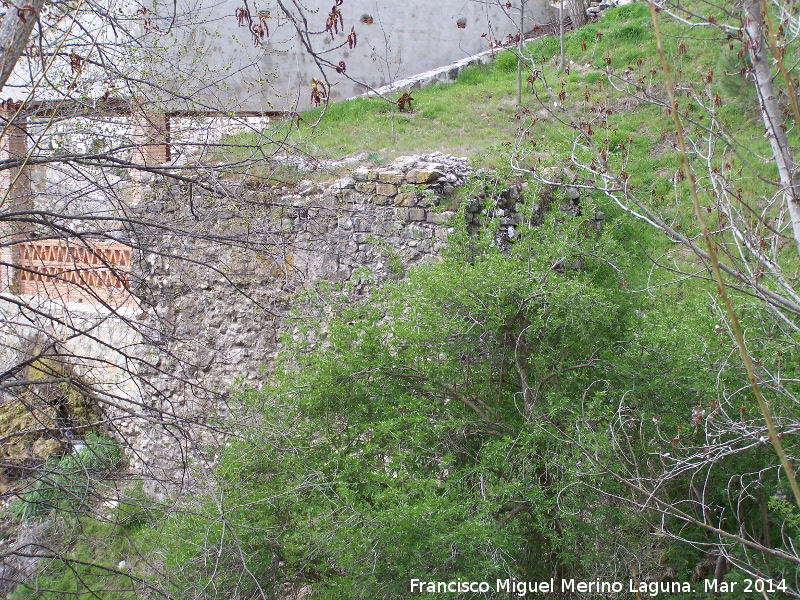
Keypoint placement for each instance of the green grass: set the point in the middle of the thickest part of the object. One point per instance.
(477, 115)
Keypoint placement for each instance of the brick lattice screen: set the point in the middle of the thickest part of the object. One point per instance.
(75, 271)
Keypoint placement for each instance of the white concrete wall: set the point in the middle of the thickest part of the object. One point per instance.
(405, 38)
(193, 55)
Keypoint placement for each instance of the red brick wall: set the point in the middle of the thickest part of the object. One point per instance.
(152, 140)
(74, 271)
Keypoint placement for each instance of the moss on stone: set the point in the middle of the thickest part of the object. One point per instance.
(33, 421)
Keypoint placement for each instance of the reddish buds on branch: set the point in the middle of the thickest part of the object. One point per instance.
(319, 92)
(404, 102)
(242, 16)
(335, 19)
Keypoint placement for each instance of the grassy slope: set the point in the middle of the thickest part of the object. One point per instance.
(475, 116)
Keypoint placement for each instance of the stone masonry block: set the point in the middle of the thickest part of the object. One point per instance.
(361, 174)
(390, 177)
(353, 196)
(440, 218)
(406, 199)
(422, 176)
(416, 214)
(385, 189)
(361, 224)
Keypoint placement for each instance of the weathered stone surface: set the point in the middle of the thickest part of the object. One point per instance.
(406, 199)
(344, 183)
(513, 218)
(440, 218)
(360, 224)
(220, 335)
(423, 176)
(570, 209)
(42, 409)
(599, 220)
(390, 177)
(573, 193)
(428, 199)
(361, 174)
(385, 189)
(352, 196)
(416, 214)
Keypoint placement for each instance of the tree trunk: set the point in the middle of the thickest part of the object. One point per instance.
(15, 30)
(771, 114)
(577, 13)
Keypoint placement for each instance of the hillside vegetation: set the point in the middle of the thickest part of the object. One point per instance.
(567, 405)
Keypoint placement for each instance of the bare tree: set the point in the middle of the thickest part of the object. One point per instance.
(747, 250)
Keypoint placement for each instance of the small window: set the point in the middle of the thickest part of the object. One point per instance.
(462, 23)
(366, 19)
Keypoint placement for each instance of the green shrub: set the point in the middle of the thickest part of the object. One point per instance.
(473, 75)
(636, 10)
(632, 32)
(593, 77)
(506, 62)
(66, 483)
(547, 46)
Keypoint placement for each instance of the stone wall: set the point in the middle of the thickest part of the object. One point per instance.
(221, 280)
(81, 346)
(217, 319)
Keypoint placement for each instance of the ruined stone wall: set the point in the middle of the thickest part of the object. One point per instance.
(220, 280)
(218, 305)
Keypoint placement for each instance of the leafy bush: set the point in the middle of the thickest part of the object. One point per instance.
(415, 448)
(473, 75)
(631, 33)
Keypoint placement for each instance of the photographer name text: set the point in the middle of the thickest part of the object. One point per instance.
(597, 586)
